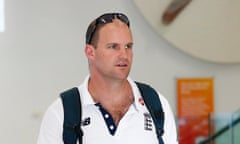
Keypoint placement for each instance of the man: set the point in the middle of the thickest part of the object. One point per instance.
(110, 99)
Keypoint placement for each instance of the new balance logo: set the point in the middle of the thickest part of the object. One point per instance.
(86, 121)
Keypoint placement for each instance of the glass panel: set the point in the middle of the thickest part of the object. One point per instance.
(236, 127)
(222, 131)
(224, 128)
(214, 129)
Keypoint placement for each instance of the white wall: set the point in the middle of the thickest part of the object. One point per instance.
(41, 54)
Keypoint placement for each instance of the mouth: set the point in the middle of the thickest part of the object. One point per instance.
(121, 65)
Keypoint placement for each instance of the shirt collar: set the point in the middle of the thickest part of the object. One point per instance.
(86, 98)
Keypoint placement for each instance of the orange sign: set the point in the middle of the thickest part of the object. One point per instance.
(195, 96)
(195, 103)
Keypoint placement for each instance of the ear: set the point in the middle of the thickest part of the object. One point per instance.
(89, 51)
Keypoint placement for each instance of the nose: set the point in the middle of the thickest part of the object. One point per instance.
(124, 52)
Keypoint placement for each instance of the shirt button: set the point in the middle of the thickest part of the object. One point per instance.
(111, 127)
(106, 115)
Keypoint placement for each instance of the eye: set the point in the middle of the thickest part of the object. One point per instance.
(113, 46)
(129, 46)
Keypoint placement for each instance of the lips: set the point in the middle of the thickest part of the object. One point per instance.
(121, 64)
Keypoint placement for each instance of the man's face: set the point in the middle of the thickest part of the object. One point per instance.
(112, 56)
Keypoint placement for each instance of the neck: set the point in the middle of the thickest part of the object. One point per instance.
(115, 97)
(100, 88)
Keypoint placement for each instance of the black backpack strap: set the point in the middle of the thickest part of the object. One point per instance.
(72, 116)
(153, 103)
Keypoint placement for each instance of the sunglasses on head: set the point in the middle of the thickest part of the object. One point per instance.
(102, 20)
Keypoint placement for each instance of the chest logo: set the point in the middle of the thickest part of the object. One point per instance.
(148, 122)
(141, 101)
(86, 121)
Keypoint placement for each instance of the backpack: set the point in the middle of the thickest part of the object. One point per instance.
(72, 113)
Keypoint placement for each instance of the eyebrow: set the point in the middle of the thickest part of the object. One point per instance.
(130, 43)
(116, 43)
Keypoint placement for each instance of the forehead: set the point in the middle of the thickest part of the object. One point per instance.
(115, 31)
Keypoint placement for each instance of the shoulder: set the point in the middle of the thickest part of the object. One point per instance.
(55, 111)
(51, 126)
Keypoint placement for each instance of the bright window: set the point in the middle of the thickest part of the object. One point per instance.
(2, 16)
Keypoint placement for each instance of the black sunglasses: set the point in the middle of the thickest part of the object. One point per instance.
(102, 20)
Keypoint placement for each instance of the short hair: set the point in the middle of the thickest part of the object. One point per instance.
(92, 33)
